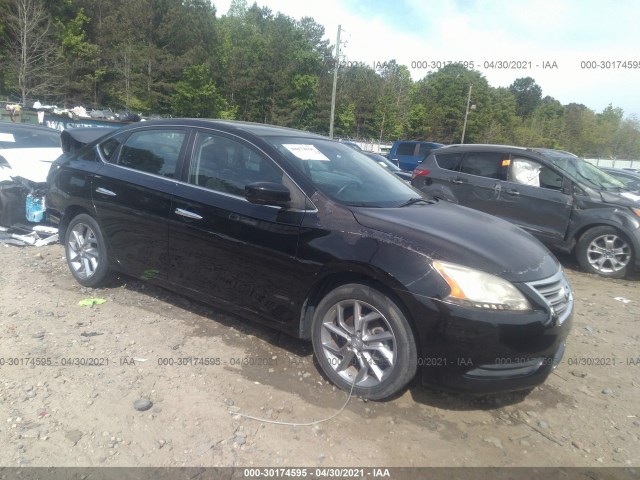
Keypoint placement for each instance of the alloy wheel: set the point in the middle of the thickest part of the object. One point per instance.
(358, 343)
(83, 251)
(608, 253)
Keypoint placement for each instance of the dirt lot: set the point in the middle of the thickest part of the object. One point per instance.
(71, 414)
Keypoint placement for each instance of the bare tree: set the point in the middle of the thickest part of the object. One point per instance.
(32, 52)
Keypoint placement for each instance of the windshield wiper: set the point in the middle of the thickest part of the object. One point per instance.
(413, 201)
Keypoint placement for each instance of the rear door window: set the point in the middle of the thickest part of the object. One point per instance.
(153, 151)
(449, 161)
(486, 164)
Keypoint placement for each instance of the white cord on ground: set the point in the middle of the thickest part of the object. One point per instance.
(294, 424)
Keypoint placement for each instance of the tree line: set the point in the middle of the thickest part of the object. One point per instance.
(181, 58)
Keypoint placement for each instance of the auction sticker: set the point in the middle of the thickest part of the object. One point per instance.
(306, 152)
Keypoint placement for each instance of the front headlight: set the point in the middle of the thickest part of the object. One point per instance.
(476, 289)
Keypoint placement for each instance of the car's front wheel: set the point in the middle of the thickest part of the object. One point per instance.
(605, 251)
(363, 341)
(86, 251)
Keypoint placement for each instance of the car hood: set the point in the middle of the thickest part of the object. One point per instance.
(624, 198)
(464, 236)
(30, 163)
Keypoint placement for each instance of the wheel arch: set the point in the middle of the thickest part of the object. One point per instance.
(333, 280)
(580, 231)
(69, 214)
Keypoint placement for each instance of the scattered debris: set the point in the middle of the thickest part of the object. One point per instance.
(90, 302)
(23, 236)
(142, 404)
(622, 299)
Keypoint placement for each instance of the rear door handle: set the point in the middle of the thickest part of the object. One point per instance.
(104, 191)
(457, 180)
(188, 214)
(513, 191)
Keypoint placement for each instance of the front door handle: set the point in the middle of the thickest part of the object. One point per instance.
(188, 214)
(457, 180)
(513, 191)
(104, 191)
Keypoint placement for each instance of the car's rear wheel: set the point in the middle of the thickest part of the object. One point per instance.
(362, 340)
(86, 251)
(605, 251)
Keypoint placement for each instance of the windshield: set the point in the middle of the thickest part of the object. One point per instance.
(580, 169)
(382, 161)
(344, 174)
(28, 138)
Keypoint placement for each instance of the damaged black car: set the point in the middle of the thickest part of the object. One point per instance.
(311, 237)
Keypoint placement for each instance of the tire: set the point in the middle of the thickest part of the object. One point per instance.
(380, 366)
(86, 251)
(605, 251)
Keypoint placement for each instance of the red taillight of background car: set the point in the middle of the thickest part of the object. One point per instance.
(420, 172)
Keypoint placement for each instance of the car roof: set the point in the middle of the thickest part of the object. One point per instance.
(544, 152)
(257, 129)
(428, 142)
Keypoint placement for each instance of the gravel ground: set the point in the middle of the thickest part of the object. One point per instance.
(116, 384)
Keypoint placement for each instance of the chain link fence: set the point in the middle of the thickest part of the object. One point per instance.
(614, 163)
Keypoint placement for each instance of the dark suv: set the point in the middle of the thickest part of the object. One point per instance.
(561, 199)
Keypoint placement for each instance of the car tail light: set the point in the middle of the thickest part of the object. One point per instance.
(420, 172)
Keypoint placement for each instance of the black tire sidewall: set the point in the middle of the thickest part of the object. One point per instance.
(588, 237)
(102, 272)
(406, 351)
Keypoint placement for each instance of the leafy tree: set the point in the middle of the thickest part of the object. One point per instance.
(197, 96)
(503, 120)
(393, 101)
(527, 93)
(360, 85)
(444, 95)
(178, 57)
(80, 69)
(345, 119)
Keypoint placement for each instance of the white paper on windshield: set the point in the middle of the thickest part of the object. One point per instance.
(7, 137)
(305, 152)
(631, 196)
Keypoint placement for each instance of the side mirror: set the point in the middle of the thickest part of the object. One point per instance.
(267, 193)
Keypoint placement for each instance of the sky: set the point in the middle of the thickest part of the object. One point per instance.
(587, 46)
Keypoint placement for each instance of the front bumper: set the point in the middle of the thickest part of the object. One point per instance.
(486, 351)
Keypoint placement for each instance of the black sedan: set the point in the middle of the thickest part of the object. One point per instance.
(309, 236)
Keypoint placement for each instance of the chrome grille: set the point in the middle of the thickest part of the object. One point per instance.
(556, 293)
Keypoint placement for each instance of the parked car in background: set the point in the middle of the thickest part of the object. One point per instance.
(406, 154)
(26, 154)
(353, 145)
(630, 177)
(311, 237)
(382, 161)
(392, 167)
(561, 199)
